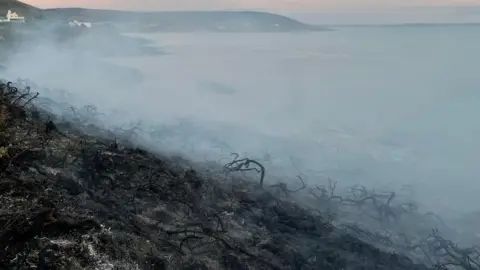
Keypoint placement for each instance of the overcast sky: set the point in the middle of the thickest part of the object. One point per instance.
(313, 11)
(273, 5)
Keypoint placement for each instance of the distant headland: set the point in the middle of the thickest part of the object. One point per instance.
(166, 21)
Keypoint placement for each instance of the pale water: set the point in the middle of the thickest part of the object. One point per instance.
(380, 106)
(400, 104)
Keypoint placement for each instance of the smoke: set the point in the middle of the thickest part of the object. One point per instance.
(195, 92)
(84, 67)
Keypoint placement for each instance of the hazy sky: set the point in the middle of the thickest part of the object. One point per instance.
(310, 11)
(272, 5)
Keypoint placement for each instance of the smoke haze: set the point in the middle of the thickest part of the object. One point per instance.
(382, 107)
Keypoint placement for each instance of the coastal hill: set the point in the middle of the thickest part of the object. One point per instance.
(175, 21)
(20, 7)
(15, 6)
(186, 21)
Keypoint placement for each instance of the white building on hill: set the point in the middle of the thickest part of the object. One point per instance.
(12, 17)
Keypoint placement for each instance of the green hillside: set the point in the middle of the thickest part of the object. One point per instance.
(17, 6)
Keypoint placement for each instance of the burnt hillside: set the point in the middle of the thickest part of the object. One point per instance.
(76, 196)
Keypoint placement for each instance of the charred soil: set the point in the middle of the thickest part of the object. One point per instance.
(72, 196)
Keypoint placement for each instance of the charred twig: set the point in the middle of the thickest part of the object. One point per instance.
(452, 255)
(327, 194)
(30, 100)
(243, 165)
(383, 208)
(284, 187)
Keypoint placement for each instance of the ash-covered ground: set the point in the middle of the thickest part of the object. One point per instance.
(75, 194)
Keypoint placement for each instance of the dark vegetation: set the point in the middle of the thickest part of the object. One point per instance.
(74, 195)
